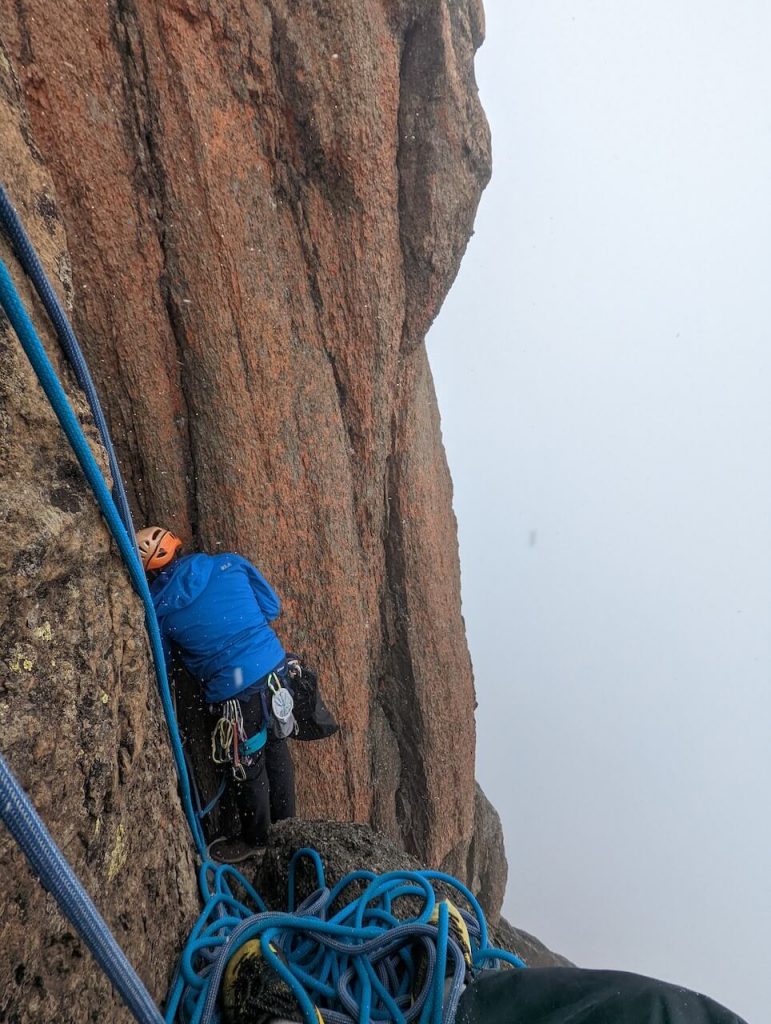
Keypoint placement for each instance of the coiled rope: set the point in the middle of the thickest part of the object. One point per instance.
(343, 962)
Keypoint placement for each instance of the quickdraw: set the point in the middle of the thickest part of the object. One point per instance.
(228, 735)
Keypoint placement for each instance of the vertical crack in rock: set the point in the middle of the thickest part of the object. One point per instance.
(139, 101)
(396, 695)
(304, 151)
(25, 50)
(299, 152)
(345, 414)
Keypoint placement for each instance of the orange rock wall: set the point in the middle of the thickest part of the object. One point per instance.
(264, 203)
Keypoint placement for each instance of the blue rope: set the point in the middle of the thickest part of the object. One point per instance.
(202, 812)
(11, 303)
(34, 270)
(356, 963)
(55, 874)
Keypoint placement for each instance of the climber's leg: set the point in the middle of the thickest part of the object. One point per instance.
(280, 777)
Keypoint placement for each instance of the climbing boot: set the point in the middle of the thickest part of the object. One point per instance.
(252, 992)
(233, 850)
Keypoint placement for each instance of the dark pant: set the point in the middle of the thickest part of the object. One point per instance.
(567, 995)
(267, 793)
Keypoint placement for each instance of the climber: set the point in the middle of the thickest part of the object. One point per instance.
(214, 611)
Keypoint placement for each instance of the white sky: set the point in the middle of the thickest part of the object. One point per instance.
(603, 365)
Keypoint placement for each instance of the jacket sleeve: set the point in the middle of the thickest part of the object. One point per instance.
(266, 596)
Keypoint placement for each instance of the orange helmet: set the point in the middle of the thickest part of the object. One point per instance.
(157, 547)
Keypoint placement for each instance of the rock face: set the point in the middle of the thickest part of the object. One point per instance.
(265, 204)
(487, 868)
(254, 211)
(80, 722)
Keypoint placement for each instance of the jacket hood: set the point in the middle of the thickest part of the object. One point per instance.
(180, 584)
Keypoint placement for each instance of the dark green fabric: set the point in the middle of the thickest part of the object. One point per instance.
(570, 995)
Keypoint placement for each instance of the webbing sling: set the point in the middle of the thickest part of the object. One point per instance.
(254, 743)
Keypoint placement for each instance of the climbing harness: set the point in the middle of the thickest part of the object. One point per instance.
(254, 744)
(389, 947)
(231, 746)
(229, 743)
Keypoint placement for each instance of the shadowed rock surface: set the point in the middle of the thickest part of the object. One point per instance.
(253, 211)
(486, 867)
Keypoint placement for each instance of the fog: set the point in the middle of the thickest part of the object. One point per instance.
(603, 369)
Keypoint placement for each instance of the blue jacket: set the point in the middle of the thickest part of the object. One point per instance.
(216, 610)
